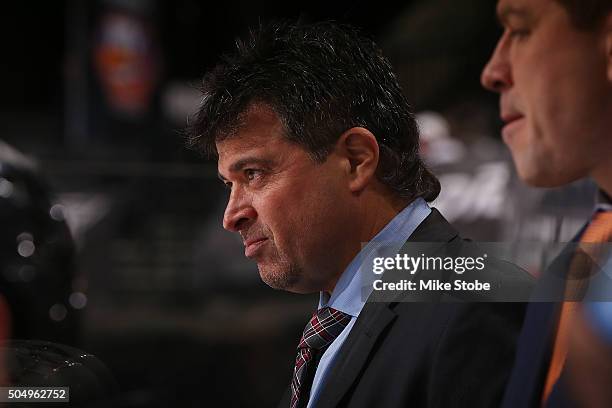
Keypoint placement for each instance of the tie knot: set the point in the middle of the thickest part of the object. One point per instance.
(589, 255)
(599, 229)
(324, 326)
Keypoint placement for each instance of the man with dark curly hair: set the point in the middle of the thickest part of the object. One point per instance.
(319, 151)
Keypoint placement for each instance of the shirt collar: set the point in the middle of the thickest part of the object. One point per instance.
(603, 201)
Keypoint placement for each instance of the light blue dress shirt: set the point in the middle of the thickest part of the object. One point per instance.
(355, 283)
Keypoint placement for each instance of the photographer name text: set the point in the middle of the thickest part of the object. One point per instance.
(431, 285)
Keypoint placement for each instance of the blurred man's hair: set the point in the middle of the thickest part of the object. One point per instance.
(587, 14)
(320, 79)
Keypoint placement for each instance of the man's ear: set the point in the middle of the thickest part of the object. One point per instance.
(360, 149)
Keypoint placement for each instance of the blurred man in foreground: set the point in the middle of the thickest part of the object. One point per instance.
(319, 152)
(553, 70)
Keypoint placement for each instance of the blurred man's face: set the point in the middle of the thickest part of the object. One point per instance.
(555, 93)
(292, 213)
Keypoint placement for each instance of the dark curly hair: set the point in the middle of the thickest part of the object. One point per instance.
(320, 79)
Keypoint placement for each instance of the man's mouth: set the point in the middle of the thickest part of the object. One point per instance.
(252, 245)
(511, 122)
(508, 118)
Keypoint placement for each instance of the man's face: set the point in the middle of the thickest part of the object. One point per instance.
(291, 212)
(555, 96)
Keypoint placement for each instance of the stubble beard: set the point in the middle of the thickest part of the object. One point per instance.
(281, 274)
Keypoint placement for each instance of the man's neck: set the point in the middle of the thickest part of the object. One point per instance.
(380, 214)
(603, 178)
(376, 214)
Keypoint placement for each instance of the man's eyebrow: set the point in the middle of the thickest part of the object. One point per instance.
(506, 12)
(244, 162)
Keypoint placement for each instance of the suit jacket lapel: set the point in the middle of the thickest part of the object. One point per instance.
(373, 319)
(535, 343)
(533, 355)
(434, 228)
(354, 352)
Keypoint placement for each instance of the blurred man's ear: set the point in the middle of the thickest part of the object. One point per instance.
(360, 149)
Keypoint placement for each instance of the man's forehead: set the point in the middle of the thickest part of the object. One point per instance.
(260, 140)
(518, 8)
(238, 150)
(238, 142)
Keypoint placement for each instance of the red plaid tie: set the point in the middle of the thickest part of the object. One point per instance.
(326, 324)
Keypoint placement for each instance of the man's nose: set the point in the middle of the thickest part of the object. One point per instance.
(239, 212)
(497, 74)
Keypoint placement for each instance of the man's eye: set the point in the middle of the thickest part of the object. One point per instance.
(518, 33)
(252, 174)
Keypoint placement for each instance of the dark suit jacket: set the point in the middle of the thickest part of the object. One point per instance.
(536, 341)
(426, 354)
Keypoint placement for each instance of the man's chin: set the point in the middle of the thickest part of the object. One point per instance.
(280, 280)
(541, 178)
(291, 280)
